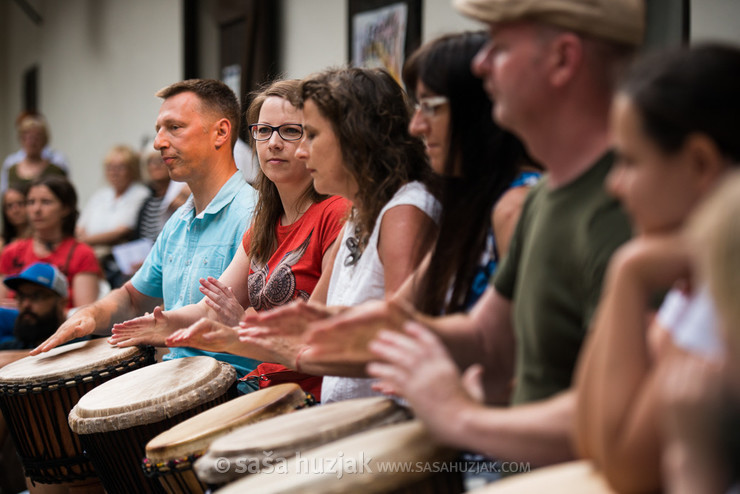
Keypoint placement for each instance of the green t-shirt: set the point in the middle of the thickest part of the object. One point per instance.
(553, 274)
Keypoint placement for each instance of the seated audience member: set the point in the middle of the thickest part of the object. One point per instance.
(52, 212)
(109, 217)
(675, 130)
(15, 218)
(197, 126)
(41, 291)
(34, 159)
(356, 145)
(287, 247)
(165, 197)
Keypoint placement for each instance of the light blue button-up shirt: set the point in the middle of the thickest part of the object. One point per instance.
(191, 247)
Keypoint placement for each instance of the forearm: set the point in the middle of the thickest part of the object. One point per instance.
(113, 308)
(537, 433)
(111, 237)
(616, 414)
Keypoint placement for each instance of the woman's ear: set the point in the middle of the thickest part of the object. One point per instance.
(705, 158)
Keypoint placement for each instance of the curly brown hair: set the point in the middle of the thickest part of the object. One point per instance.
(263, 241)
(369, 113)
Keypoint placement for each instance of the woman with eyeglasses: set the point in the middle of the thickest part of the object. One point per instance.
(356, 145)
(287, 247)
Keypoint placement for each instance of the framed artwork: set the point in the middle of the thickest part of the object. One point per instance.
(382, 33)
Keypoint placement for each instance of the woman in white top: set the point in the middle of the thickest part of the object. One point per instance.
(356, 145)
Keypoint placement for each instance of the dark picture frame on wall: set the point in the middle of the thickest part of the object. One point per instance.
(383, 33)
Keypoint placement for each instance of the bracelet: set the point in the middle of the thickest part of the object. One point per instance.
(298, 358)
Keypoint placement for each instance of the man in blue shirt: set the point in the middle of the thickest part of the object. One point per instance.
(197, 128)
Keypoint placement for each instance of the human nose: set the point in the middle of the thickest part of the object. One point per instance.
(275, 140)
(301, 151)
(481, 63)
(615, 182)
(159, 141)
(418, 126)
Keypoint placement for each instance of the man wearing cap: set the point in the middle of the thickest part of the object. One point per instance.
(550, 68)
(197, 128)
(41, 292)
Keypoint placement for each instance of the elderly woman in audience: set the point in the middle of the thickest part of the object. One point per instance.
(110, 215)
(675, 130)
(287, 248)
(52, 212)
(34, 158)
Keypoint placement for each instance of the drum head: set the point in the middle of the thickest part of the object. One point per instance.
(65, 361)
(575, 477)
(286, 435)
(151, 394)
(359, 463)
(197, 433)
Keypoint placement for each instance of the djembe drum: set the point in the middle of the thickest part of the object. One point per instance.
(117, 419)
(574, 477)
(37, 393)
(234, 454)
(398, 458)
(170, 455)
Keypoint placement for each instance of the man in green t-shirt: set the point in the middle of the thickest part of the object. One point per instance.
(550, 69)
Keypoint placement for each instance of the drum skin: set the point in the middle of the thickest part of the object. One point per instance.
(287, 435)
(359, 463)
(37, 393)
(169, 455)
(116, 420)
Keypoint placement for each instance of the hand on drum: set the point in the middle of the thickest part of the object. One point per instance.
(149, 329)
(416, 366)
(287, 320)
(77, 326)
(206, 334)
(222, 300)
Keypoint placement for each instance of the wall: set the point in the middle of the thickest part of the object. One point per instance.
(715, 20)
(315, 32)
(101, 61)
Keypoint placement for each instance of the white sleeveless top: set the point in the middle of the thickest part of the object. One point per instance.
(365, 280)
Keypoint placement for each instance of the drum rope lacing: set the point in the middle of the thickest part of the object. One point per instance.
(41, 466)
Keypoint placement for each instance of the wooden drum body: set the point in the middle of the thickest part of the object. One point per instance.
(233, 455)
(397, 458)
(116, 420)
(170, 455)
(37, 393)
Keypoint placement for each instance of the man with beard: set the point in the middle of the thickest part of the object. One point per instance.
(41, 292)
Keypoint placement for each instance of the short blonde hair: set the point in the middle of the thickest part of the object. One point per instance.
(130, 158)
(34, 122)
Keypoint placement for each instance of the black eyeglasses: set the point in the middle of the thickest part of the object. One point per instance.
(288, 132)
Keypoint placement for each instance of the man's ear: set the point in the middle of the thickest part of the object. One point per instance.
(564, 57)
(223, 132)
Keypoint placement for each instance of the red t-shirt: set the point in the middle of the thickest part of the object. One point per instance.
(293, 271)
(71, 257)
(295, 267)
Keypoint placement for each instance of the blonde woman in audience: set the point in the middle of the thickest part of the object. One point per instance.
(110, 215)
(34, 158)
(675, 130)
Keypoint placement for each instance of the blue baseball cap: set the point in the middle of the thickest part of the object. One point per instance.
(41, 274)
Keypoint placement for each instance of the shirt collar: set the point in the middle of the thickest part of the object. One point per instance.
(223, 198)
